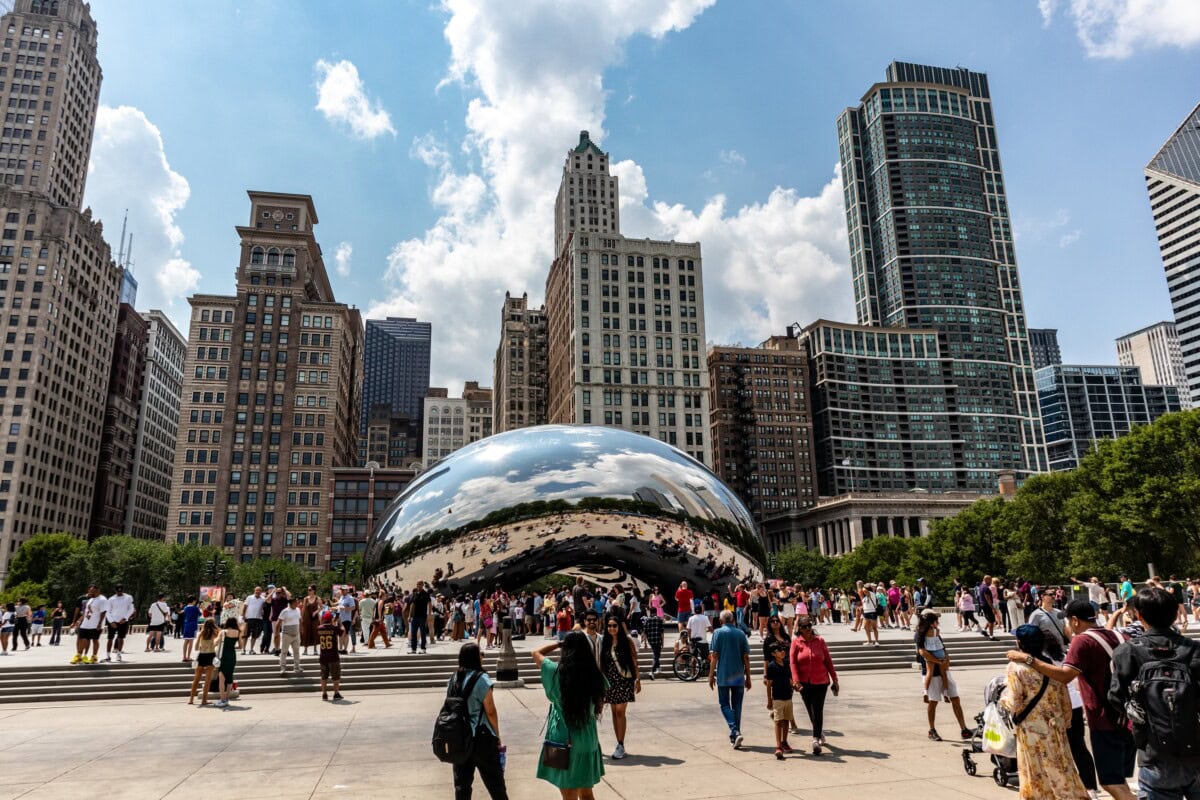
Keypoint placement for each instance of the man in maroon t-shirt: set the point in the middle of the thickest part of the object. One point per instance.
(683, 599)
(1089, 659)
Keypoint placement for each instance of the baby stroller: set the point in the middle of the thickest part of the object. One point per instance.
(1004, 769)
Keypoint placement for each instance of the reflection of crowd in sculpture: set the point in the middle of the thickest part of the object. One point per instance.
(666, 540)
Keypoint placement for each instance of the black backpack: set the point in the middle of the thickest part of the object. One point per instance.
(1164, 701)
(453, 735)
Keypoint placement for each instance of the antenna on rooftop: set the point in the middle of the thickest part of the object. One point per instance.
(121, 247)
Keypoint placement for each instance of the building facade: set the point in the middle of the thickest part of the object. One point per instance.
(519, 379)
(1043, 347)
(625, 318)
(1173, 183)
(1155, 351)
(931, 249)
(115, 469)
(762, 427)
(396, 367)
(60, 284)
(271, 396)
(360, 496)
(393, 439)
(1082, 405)
(157, 429)
(454, 422)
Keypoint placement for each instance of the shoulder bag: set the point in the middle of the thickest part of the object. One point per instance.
(556, 755)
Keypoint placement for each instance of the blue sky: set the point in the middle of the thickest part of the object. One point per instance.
(434, 157)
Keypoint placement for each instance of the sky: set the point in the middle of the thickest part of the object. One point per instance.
(432, 135)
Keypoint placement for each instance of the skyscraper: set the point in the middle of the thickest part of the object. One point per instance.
(624, 317)
(395, 367)
(157, 429)
(519, 378)
(931, 250)
(271, 396)
(1173, 182)
(1155, 351)
(762, 426)
(1043, 347)
(61, 284)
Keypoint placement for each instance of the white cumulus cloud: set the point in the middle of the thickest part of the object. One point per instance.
(1118, 28)
(536, 71)
(341, 258)
(129, 170)
(732, 158)
(342, 98)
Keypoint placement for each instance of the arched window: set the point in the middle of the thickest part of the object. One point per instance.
(273, 257)
(289, 257)
(256, 255)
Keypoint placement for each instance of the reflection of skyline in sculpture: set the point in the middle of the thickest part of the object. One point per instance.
(587, 496)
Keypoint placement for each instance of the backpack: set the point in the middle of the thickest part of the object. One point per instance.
(1164, 703)
(459, 616)
(453, 734)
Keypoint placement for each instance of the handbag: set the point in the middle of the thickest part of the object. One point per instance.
(556, 755)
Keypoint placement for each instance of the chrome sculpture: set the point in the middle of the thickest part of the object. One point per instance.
(615, 506)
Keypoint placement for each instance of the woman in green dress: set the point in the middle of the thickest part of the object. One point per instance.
(230, 636)
(575, 689)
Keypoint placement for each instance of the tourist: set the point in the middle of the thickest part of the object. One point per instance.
(252, 614)
(22, 621)
(484, 627)
(328, 636)
(619, 663)
(289, 636)
(652, 634)
(89, 618)
(230, 636)
(729, 674)
(591, 629)
(310, 619)
(6, 627)
(277, 602)
(563, 621)
(473, 682)
(346, 607)
(813, 674)
(870, 607)
(189, 622)
(1012, 600)
(1043, 760)
(379, 628)
(158, 614)
(776, 634)
(575, 688)
(580, 599)
(683, 603)
(206, 654)
(966, 611)
(120, 611)
(367, 608)
(58, 618)
(1163, 773)
(935, 671)
(1089, 658)
(777, 679)
(762, 604)
(1125, 589)
(842, 606)
(38, 625)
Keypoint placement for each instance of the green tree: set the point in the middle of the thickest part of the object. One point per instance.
(186, 567)
(872, 561)
(282, 573)
(967, 546)
(39, 553)
(1034, 529)
(35, 593)
(799, 564)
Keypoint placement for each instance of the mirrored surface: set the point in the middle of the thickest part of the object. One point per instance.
(612, 505)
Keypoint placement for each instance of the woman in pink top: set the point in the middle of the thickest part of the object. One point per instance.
(813, 675)
(656, 603)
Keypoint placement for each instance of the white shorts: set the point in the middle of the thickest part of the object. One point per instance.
(935, 688)
(36, 629)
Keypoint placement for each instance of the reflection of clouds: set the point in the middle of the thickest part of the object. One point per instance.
(563, 463)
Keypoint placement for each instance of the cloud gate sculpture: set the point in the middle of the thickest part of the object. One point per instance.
(615, 506)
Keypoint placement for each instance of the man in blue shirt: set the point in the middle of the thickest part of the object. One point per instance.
(1126, 589)
(729, 673)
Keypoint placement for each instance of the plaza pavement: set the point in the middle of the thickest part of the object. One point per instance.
(377, 744)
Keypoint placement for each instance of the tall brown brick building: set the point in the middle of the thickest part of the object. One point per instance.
(520, 366)
(762, 425)
(271, 396)
(59, 286)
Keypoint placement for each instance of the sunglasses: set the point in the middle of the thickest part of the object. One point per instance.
(804, 627)
(614, 627)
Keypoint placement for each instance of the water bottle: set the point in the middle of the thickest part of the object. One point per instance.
(503, 756)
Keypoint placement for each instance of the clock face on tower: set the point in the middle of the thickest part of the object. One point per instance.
(277, 216)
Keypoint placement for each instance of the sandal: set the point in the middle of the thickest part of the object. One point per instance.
(933, 735)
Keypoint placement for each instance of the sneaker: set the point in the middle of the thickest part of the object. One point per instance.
(338, 696)
(816, 747)
(737, 741)
(222, 704)
(652, 674)
(299, 671)
(91, 660)
(118, 656)
(822, 741)
(619, 752)
(422, 651)
(283, 673)
(107, 659)
(965, 733)
(785, 747)
(779, 754)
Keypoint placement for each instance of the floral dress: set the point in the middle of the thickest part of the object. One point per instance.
(1043, 755)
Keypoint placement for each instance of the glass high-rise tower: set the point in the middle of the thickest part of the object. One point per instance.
(931, 249)
(396, 368)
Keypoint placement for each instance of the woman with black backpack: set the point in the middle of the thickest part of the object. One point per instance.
(471, 679)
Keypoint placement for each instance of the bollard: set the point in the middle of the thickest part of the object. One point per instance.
(506, 662)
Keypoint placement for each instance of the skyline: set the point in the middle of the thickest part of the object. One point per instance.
(749, 177)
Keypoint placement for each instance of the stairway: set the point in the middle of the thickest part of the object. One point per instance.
(257, 675)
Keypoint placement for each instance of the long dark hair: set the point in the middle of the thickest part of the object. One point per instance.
(621, 643)
(469, 659)
(924, 623)
(580, 683)
(782, 633)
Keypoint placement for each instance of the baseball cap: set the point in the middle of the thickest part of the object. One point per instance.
(327, 617)
(1080, 609)
(270, 586)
